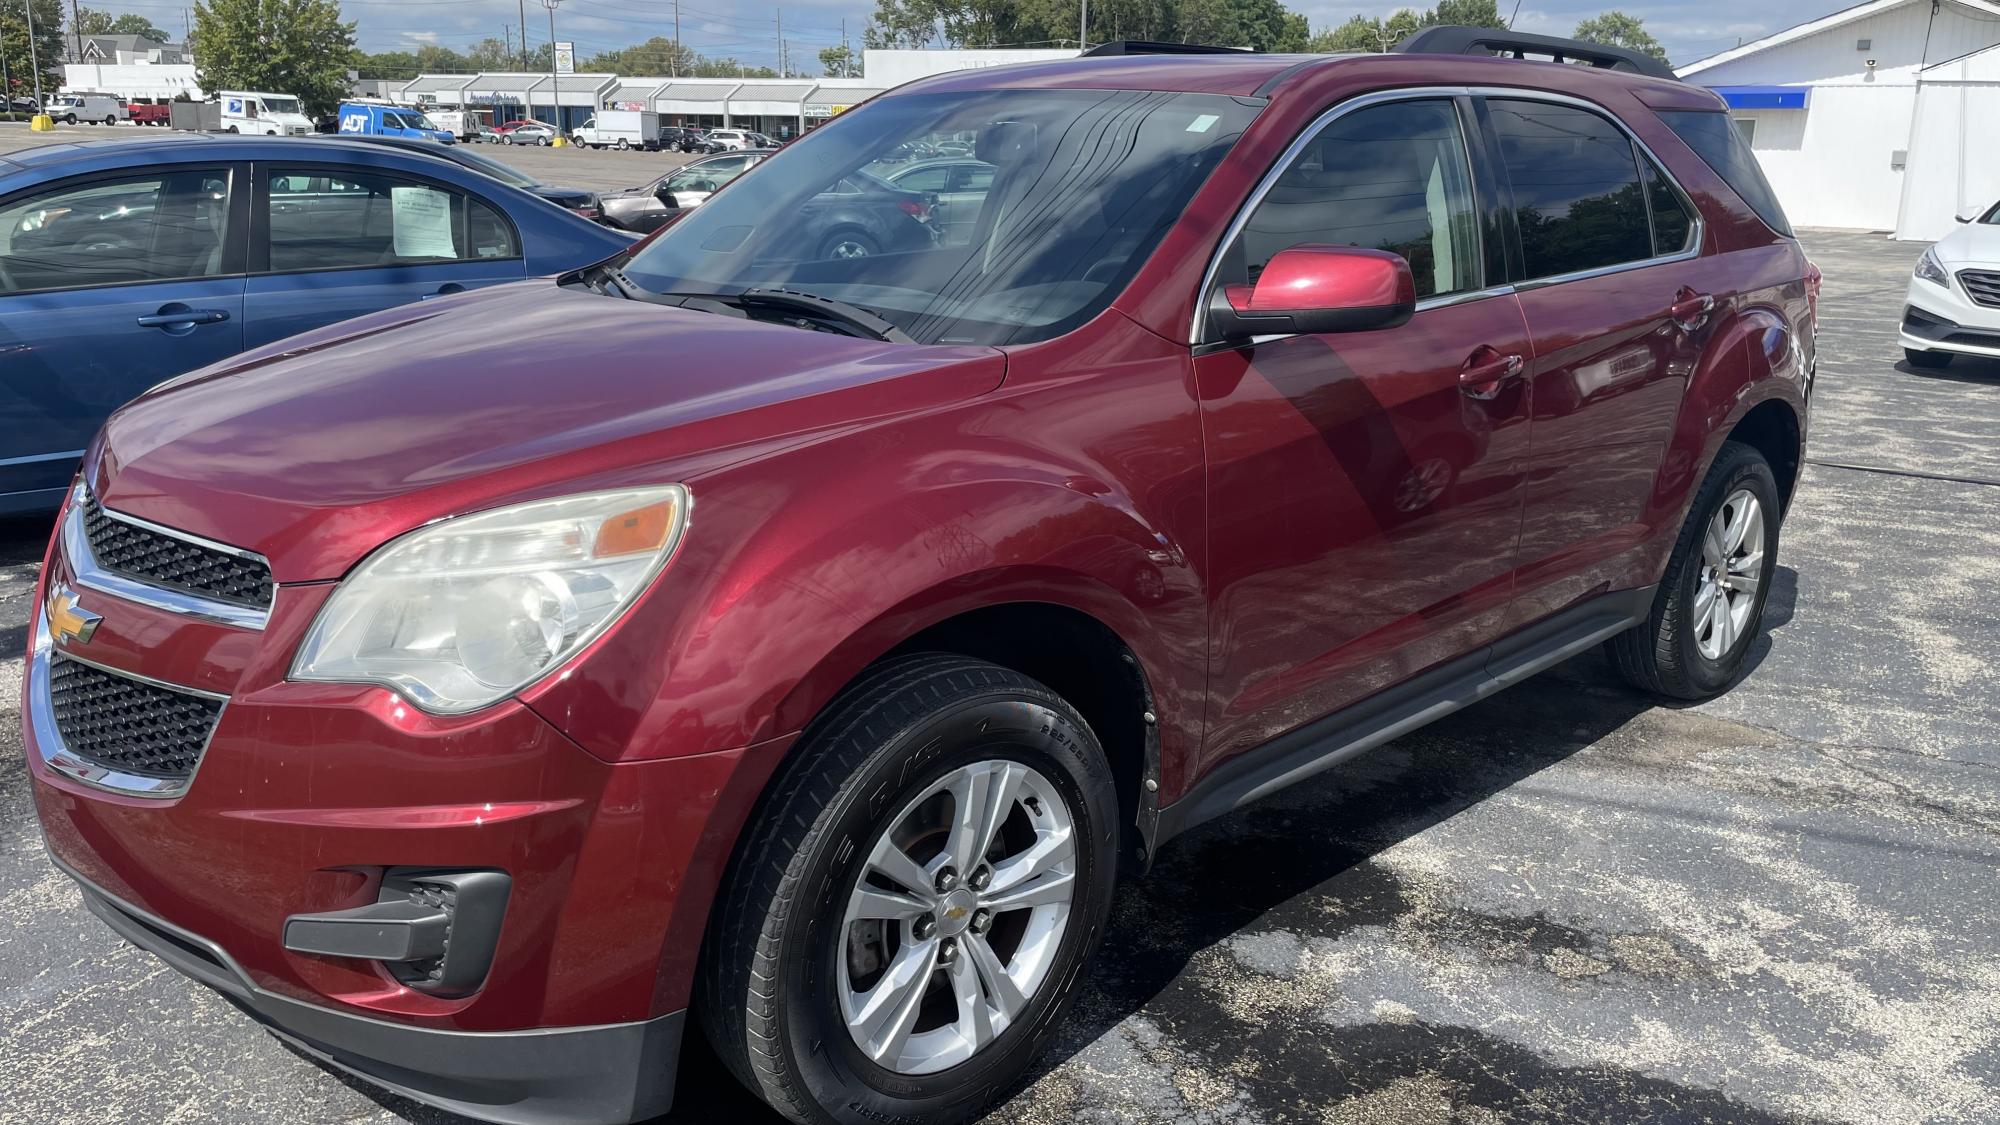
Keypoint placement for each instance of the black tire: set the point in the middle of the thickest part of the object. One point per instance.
(1929, 361)
(769, 999)
(1663, 655)
(70, 119)
(111, 121)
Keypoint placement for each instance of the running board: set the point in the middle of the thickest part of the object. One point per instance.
(1324, 743)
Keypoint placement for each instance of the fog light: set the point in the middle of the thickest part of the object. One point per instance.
(435, 930)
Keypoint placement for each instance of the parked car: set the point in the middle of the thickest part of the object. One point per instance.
(485, 135)
(383, 119)
(732, 140)
(123, 264)
(88, 108)
(578, 201)
(1953, 304)
(645, 209)
(382, 680)
(678, 138)
(528, 133)
(955, 189)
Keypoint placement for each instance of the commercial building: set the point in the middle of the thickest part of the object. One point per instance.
(1869, 117)
(778, 108)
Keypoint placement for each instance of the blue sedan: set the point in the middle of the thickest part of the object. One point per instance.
(123, 264)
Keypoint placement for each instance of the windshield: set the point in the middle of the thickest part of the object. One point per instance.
(419, 121)
(1085, 183)
(280, 105)
(1992, 216)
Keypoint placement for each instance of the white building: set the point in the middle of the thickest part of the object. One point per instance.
(1878, 117)
(893, 68)
(134, 81)
(780, 108)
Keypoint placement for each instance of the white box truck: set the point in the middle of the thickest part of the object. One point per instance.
(256, 113)
(461, 123)
(620, 129)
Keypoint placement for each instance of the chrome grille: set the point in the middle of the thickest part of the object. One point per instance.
(128, 725)
(160, 559)
(1983, 286)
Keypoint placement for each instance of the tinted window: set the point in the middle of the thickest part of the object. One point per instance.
(159, 227)
(1716, 141)
(925, 179)
(972, 177)
(1673, 224)
(1577, 197)
(1389, 178)
(345, 219)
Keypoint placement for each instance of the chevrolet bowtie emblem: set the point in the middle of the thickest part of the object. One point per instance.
(68, 621)
(954, 912)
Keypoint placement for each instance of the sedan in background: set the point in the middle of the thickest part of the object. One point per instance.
(527, 132)
(1953, 306)
(863, 215)
(584, 204)
(647, 209)
(957, 190)
(125, 264)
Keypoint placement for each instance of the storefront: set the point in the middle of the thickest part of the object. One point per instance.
(505, 94)
(775, 109)
(694, 102)
(435, 91)
(827, 102)
(579, 93)
(633, 93)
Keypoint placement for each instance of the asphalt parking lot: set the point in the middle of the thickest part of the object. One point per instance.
(1566, 903)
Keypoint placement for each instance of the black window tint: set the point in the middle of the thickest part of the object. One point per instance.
(158, 227)
(332, 220)
(1577, 197)
(1717, 141)
(972, 177)
(1673, 226)
(925, 179)
(1393, 178)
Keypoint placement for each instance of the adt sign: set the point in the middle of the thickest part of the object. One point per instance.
(354, 122)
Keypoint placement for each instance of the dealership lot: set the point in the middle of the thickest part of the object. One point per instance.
(1564, 903)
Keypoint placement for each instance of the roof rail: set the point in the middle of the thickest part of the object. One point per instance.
(1147, 47)
(1451, 40)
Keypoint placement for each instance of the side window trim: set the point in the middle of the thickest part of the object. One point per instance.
(260, 248)
(1696, 240)
(235, 233)
(1456, 95)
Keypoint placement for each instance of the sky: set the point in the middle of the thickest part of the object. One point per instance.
(748, 29)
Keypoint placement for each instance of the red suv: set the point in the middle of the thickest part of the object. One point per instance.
(804, 643)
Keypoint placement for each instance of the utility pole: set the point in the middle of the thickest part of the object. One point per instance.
(523, 5)
(674, 64)
(507, 37)
(555, 81)
(1083, 26)
(781, 42)
(34, 62)
(76, 27)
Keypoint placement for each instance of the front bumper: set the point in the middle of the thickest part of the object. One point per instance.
(1938, 318)
(308, 796)
(550, 1076)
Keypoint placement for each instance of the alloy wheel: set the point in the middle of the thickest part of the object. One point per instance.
(1732, 567)
(954, 923)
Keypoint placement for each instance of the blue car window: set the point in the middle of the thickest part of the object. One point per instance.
(155, 227)
(349, 219)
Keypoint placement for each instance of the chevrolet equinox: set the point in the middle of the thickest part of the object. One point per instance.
(801, 643)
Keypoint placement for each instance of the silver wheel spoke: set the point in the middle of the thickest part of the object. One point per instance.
(1744, 584)
(993, 976)
(981, 800)
(1704, 601)
(975, 1021)
(1711, 543)
(893, 863)
(890, 1011)
(872, 902)
(1724, 633)
(1050, 850)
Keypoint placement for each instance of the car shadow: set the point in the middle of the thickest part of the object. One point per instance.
(1964, 369)
(1305, 860)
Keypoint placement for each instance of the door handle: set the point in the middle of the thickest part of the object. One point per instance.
(1487, 371)
(445, 290)
(1690, 309)
(184, 318)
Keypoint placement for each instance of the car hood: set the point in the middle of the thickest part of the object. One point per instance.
(567, 197)
(1971, 244)
(316, 450)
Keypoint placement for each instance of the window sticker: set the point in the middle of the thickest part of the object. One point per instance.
(423, 222)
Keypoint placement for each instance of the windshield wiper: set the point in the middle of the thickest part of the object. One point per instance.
(861, 321)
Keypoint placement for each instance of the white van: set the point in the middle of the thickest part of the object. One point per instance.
(95, 109)
(271, 115)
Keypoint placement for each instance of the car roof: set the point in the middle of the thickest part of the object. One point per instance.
(183, 148)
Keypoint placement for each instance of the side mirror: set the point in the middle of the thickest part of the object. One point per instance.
(1313, 289)
(1967, 218)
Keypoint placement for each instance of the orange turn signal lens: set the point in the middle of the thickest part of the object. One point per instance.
(641, 529)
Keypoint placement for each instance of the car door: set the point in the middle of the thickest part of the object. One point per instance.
(337, 242)
(1364, 487)
(1616, 296)
(109, 284)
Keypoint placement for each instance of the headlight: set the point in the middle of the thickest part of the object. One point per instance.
(469, 610)
(1932, 270)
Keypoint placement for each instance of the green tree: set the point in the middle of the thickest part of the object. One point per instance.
(388, 64)
(297, 47)
(94, 22)
(840, 62)
(1616, 29)
(492, 54)
(1367, 33)
(49, 45)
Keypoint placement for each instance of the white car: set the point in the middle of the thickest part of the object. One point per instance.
(735, 140)
(1953, 307)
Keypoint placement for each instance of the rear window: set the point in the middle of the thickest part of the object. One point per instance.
(1716, 140)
